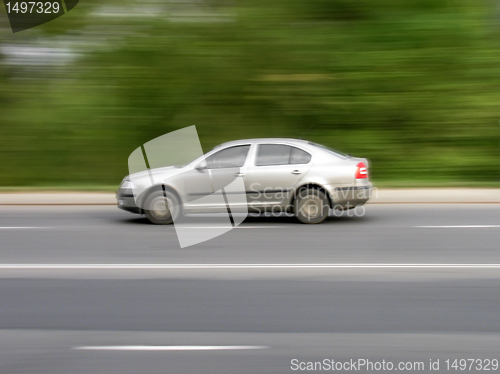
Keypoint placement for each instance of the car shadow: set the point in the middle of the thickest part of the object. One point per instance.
(346, 217)
(139, 220)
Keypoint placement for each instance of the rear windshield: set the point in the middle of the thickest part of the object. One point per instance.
(331, 150)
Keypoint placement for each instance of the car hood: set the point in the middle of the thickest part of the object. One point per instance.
(158, 174)
(143, 180)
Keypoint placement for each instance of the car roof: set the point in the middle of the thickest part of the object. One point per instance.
(265, 140)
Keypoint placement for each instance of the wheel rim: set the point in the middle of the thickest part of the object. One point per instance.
(160, 208)
(311, 207)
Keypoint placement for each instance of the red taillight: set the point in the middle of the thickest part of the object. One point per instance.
(361, 171)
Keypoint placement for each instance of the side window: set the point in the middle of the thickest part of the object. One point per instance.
(272, 154)
(228, 158)
(299, 156)
(278, 154)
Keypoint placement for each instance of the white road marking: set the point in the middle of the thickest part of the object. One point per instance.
(179, 227)
(20, 227)
(172, 347)
(265, 227)
(459, 227)
(229, 227)
(244, 266)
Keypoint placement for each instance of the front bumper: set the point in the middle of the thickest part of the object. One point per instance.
(125, 200)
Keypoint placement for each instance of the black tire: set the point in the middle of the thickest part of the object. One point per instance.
(311, 206)
(161, 210)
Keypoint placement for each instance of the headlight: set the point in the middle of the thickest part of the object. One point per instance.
(127, 185)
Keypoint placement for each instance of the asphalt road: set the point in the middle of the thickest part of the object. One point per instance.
(98, 290)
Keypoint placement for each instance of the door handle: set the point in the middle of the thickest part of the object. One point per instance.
(296, 172)
(240, 175)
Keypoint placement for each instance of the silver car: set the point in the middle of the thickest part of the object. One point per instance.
(278, 175)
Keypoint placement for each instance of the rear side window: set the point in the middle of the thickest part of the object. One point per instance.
(299, 156)
(279, 154)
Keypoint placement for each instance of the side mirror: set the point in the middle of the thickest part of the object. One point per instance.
(201, 168)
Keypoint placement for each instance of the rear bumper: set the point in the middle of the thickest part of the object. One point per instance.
(350, 196)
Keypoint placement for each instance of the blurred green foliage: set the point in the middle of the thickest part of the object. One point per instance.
(411, 85)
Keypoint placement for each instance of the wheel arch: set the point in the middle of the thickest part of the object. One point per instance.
(315, 186)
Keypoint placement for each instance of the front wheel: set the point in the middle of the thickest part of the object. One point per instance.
(161, 208)
(311, 206)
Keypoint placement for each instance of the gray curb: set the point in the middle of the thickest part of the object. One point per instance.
(380, 196)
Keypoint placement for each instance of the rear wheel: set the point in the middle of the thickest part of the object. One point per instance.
(161, 208)
(311, 206)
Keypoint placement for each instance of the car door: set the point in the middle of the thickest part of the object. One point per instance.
(204, 184)
(274, 172)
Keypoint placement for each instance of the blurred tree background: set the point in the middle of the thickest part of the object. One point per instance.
(411, 85)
